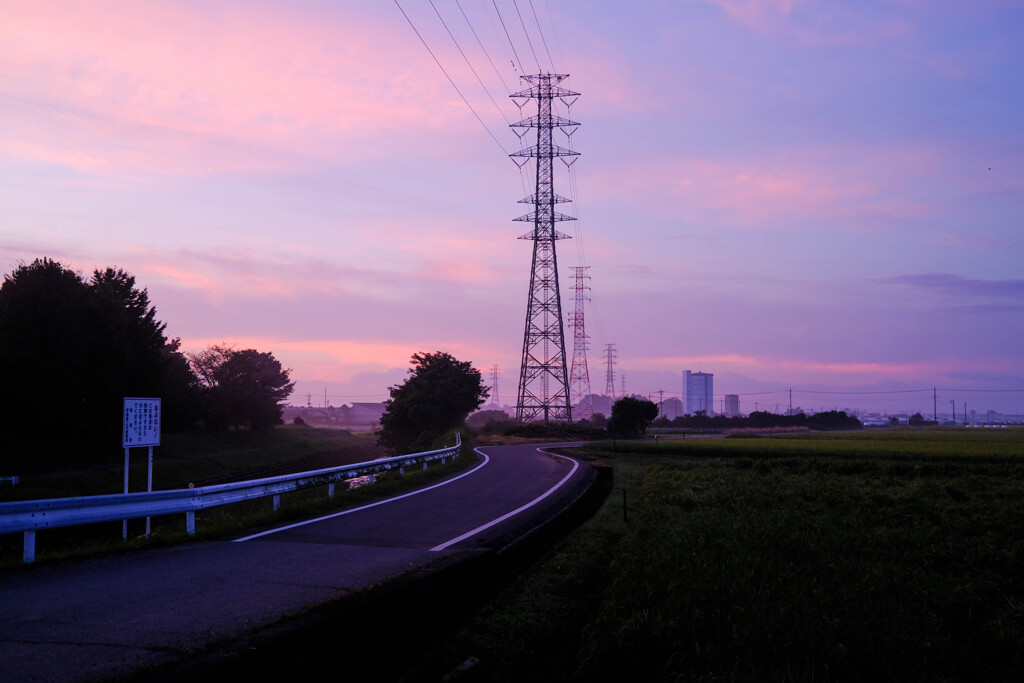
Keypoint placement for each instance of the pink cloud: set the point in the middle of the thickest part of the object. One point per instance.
(759, 14)
(781, 368)
(151, 85)
(340, 359)
(836, 185)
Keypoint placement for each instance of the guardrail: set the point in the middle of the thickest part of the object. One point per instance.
(29, 516)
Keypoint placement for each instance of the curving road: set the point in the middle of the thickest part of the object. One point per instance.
(110, 616)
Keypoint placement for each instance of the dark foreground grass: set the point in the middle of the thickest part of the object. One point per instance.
(841, 562)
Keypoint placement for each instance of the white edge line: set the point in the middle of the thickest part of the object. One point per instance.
(499, 520)
(366, 507)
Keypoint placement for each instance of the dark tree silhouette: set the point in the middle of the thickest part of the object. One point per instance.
(241, 388)
(437, 396)
(71, 350)
(631, 416)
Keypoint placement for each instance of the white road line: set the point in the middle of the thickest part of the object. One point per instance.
(499, 520)
(366, 507)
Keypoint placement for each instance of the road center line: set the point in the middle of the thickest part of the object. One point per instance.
(474, 532)
(366, 507)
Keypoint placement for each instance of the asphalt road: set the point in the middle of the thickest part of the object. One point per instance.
(108, 617)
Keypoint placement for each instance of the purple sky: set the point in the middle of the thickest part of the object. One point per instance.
(821, 196)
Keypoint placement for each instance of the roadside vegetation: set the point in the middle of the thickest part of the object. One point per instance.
(203, 459)
(890, 555)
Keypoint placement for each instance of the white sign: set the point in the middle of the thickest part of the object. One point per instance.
(141, 422)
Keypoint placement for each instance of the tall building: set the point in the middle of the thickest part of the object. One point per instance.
(698, 390)
(731, 405)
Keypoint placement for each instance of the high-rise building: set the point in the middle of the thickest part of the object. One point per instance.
(731, 405)
(698, 390)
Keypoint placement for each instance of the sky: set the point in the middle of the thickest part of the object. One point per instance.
(812, 195)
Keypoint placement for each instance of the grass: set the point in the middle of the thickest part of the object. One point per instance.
(92, 469)
(892, 555)
(198, 457)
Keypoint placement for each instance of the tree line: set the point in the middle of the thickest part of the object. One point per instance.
(71, 348)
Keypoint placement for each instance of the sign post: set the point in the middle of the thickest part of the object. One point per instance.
(141, 428)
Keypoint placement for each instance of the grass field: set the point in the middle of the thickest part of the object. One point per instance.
(888, 555)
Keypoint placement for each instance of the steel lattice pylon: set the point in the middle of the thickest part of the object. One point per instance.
(579, 376)
(543, 379)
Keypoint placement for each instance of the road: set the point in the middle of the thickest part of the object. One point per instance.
(110, 616)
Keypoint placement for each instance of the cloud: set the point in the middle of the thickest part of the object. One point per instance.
(974, 240)
(110, 86)
(736, 362)
(948, 283)
(758, 14)
(759, 194)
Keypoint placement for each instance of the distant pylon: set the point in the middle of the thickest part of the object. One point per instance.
(609, 370)
(494, 386)
(579, 377)
(544, 377)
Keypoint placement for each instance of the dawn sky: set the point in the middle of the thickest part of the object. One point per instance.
(818, 195)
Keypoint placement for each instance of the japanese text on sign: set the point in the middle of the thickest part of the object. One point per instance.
(141, 422)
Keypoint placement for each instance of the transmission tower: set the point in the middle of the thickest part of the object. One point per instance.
(543, 379)
(609, 371)
(579, 377)
(494, 385)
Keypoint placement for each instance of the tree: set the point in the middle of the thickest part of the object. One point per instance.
(71, 350)
(631, 416)
(437, 396)
(241, 388)
(484, 419)
(44, 342)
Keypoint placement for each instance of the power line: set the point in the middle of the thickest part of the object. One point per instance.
(497, 73)
(527, 34)
(441, 67)
(468, 63)
(542, 39)
(554, 31)
(505, 28)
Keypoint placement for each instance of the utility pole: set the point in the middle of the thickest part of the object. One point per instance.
(579, 377)
(935, 405)
(544, 377)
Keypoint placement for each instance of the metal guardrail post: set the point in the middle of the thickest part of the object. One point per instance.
(29, 554)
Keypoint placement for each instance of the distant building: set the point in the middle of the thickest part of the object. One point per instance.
(600, 404)
(670, 408)
(698, 390)
(365, 413)
(731, 405)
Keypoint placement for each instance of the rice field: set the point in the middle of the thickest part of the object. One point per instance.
(889, 555)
